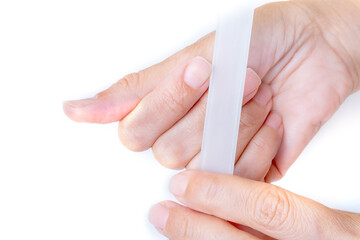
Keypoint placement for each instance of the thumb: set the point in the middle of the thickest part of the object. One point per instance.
(114, 103)
(110, 105)
(122, 97)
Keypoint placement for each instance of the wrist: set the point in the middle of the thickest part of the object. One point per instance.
(339, 24)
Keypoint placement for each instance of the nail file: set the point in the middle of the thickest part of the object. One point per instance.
(226, 89)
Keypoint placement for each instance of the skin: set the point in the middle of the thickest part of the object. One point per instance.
(230, 207)
(307, 53)
(168, 113)
(295, 49)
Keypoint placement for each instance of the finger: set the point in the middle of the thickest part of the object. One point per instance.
(253, 232)
(178, 145)
(164, 106)
(263, 207)
(256, 160)
(273, 174)
(117, 101)
(178, 222)
(253, 116)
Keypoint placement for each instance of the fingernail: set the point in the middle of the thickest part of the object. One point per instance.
(274, 121)
(158, 216)
(263, 95)
(252, 82)
(197, 72)
(178, 184)
(80, 103)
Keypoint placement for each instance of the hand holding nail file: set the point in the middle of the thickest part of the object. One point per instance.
(231, 51)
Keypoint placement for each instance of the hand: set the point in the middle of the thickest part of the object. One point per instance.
(229, 207)
(166, 118)
(294, 48)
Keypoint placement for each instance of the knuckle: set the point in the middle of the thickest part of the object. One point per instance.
(193, 49)
(248, 121)
(271, 207)
(184, 229)
(168, 155)
(129, 81)
(204, 46)
(131, 138)
(203, 106)
(174, 100)
(252, 116)
(212, 193)
(260, 144)
(246, 124)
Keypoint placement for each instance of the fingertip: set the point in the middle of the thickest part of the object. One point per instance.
(158, 215)
(251, 74)
(197, 72)
(252, 84)
(273, 174)
(194, 163)
(178, 184)
(99, 109)
(81, 110)
(264, 95)
(274, 121)
(81, 103)
(73, 109)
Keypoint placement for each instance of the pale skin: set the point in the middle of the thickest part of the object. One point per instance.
(307, 57)
(230, 207)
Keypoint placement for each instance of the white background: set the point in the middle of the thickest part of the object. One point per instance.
(64, 180)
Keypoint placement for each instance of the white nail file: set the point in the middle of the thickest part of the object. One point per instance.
(231, 51)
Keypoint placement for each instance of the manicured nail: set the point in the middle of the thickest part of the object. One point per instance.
(76, 109)
(197, 72)
(178, 184)
(274, 121)
(263, 95)
(80, 103)
(158, 216)
(252, 83)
